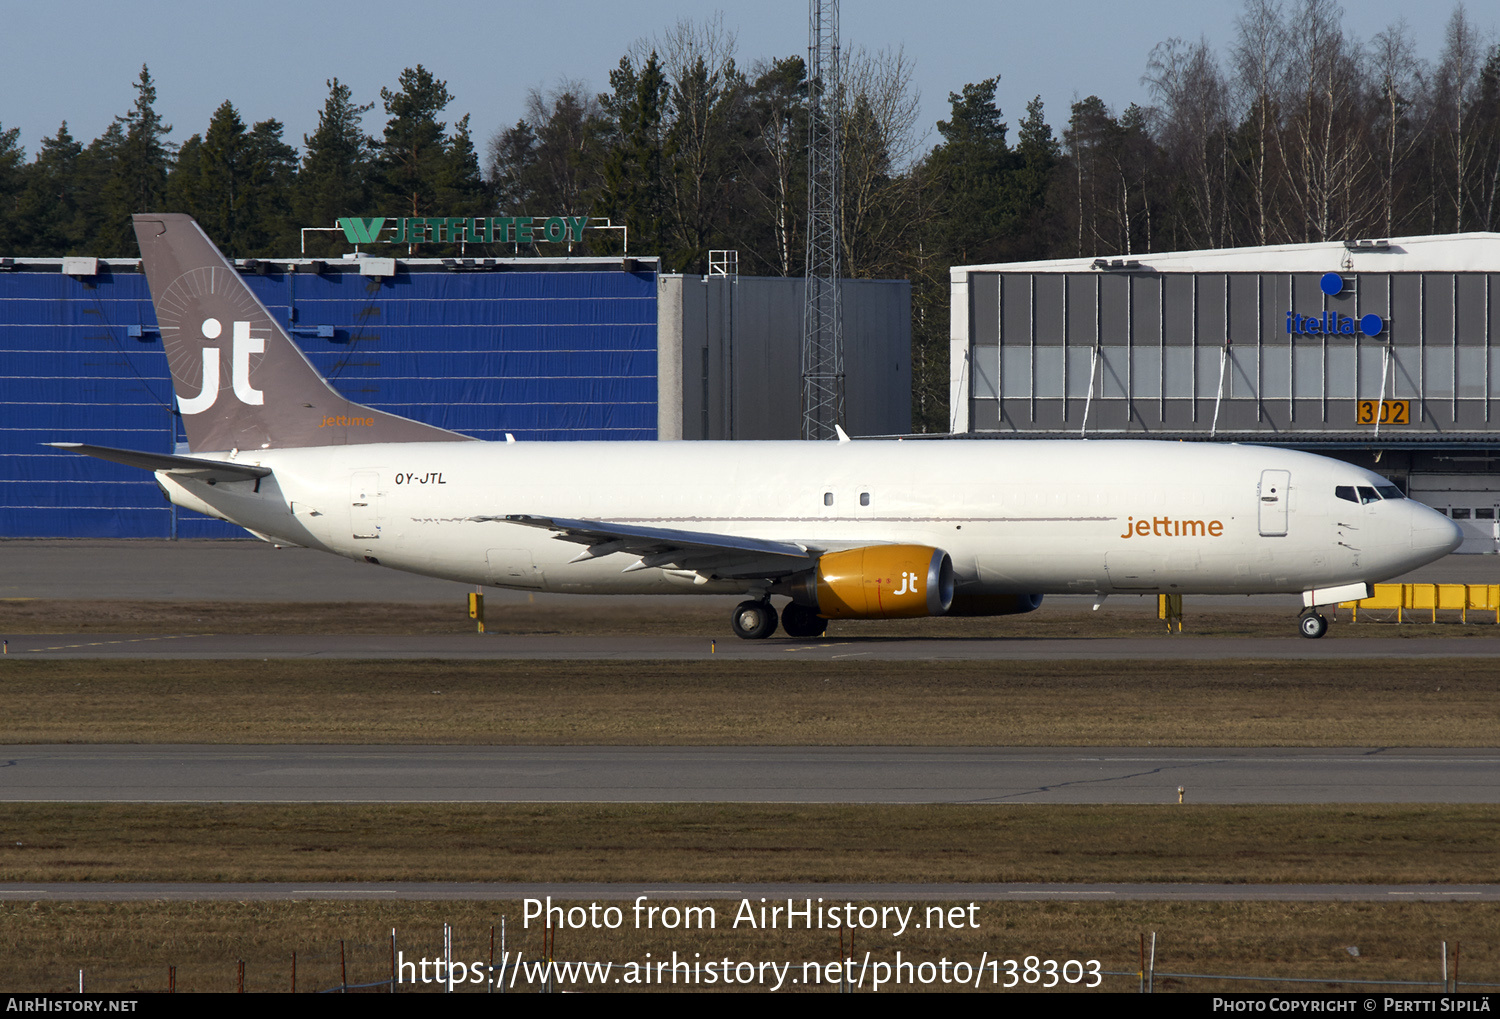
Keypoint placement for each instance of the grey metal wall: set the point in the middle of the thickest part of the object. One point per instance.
(732, 346)
(1147, 352)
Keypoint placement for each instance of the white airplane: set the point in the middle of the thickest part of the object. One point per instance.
(845, 529)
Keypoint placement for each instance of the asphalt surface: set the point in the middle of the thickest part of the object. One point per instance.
(250, 570)
(445, 774)
(830, 893)
(708, 648)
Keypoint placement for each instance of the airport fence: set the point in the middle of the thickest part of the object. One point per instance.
(1401, 603)
(488, 965)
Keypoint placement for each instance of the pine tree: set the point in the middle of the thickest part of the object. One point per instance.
(48, 214)
(12, 159)
(141, 157)
(459, 188)
(414, 153)
(634, 190)
(334, 179)
(967, 176)
(222, 178)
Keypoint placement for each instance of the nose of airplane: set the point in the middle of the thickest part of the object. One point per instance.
(1432, 534)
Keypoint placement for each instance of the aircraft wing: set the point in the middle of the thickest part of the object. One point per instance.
(197, 469)
(721, 555)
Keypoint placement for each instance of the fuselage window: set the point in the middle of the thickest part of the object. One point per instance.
(827, 498)
(1460, 513)
(1368, 495)
(1346, 492)
(864, 498)
(1389, 492)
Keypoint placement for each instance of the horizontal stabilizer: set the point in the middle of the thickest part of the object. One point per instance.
(181, 466)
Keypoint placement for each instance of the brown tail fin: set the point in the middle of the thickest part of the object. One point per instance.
(241, 382)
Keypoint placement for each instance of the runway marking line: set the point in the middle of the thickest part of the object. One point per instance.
(128, 640)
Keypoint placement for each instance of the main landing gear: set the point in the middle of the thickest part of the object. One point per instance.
(754, 620)
(801, 621)
(1312, 624)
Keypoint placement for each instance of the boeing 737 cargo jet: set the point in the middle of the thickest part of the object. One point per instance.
(843, 529)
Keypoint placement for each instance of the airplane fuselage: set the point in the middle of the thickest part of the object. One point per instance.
(1016, 516)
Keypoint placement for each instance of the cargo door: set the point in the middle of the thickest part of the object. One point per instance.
(512, 567)
(1275, 486)
(1133, 571)
(364, 505)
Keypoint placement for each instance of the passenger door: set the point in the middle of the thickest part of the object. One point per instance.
(1275, 487)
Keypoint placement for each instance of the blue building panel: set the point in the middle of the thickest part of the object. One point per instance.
(541, 355)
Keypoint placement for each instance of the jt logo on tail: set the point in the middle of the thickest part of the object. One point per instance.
(243, 346)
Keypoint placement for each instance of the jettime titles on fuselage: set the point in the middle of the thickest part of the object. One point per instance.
(1167, 527)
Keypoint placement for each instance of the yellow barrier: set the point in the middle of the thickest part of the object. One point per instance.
(1430, 599)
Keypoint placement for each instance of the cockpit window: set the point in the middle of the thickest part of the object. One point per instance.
(1389, 492)
(1368, 495)
(1346, 492)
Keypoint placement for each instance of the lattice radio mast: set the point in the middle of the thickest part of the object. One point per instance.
(822, 315)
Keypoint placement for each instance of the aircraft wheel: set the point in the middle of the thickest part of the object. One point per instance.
(1312, 625)
(801, 621)
(753, 620)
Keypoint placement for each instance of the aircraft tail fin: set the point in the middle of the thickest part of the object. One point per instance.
(241, 382)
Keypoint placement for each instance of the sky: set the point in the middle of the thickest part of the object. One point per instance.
(78, 61)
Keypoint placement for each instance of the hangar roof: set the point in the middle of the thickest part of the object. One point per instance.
(1470, 252)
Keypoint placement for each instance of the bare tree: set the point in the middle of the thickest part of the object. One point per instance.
(778, 115)
(552, 155)
(1324, 154)
(705, 101)
(1259, 57)
(1455, 87)
(1399, 79)
(881, 112)
(1192, 124)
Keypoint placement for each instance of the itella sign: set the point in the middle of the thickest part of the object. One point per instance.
(1331, 323)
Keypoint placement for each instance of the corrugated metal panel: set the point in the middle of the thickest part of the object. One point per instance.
(545, 356)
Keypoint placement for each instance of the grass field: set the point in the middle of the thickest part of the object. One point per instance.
(1437, 844)
(129, 946)
(1431, 702)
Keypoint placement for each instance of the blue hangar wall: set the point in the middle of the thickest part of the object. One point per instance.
(543, 355)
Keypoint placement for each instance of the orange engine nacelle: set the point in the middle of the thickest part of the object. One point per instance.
(878, 582)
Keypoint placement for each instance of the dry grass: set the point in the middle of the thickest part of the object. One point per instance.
(1434, 702)
(1441, 844)
(128, 946)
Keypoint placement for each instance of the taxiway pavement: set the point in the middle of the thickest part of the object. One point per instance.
(494, 646)
(447, 774)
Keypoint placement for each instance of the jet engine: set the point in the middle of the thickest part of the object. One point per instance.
(876, 582)
(993, 604)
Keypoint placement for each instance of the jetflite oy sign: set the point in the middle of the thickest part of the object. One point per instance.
(472, 229)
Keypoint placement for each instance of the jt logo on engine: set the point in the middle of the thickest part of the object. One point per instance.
(243, 345)
(908, 579)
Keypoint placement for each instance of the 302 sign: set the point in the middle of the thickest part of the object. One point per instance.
(1391, 412)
